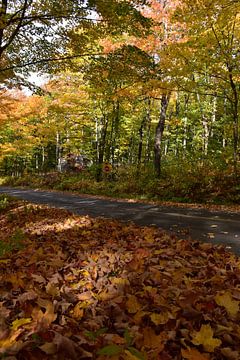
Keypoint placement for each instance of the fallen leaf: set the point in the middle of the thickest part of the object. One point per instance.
(49, 348)
(225, 300)
(230, 354)
(205, 338)
(193, 354)
(52, 290)
(133, 305)
(153, 341)
(159, 319)
(110, 350)
(39, 279)
(19, 322)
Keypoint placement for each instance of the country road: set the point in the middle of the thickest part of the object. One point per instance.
(213, 226)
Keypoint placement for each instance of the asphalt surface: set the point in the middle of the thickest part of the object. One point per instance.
(213, 226)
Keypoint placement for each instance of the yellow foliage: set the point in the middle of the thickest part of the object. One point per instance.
(225, 300)
(19, 322)
(205, 338)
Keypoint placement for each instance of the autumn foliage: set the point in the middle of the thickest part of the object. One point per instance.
(80, 288)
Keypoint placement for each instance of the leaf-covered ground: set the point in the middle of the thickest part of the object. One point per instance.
(73, 287)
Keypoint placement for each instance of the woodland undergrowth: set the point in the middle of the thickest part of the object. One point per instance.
(74, 287)
(178, 184)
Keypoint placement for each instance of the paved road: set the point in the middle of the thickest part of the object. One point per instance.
(214, 226)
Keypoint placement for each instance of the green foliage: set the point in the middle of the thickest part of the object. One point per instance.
(110, 350)
(93, 335)
(4, 202)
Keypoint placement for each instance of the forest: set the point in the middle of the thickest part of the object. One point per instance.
(146, 94)
(132, 99)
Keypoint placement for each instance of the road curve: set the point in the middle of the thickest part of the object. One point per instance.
(213, 226)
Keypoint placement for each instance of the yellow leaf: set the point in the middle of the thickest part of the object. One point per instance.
(133, 305)
(205, 338)
(193, 354)
(225, 300)
(120, 281)
(4, 261)
(139, 315)
(107, 295)
(159, 319)
(19, 322)
(78, 311)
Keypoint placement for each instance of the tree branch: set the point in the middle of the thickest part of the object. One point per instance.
(35, 62)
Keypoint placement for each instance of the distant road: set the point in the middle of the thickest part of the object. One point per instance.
(213, 226)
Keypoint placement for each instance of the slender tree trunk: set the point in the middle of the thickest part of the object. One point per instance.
(159, 134)
(148, 133)
(234, 105)
(102, 146)
(97, 137)
(140, 143)
(185, 120)
(43, 158)
(58, 151)
(205, 131)
(116, 119)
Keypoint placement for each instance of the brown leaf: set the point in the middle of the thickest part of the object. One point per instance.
(153, 341)
(39, 279)
(87, 295)
(65, 346)
(230, 354)
(49, 348)
(52, 290)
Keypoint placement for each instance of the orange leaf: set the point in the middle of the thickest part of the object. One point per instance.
(193, 354)
(153, 341)
(133, 305)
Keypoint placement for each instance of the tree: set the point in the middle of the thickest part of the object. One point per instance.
(35, 34)
(207, 59)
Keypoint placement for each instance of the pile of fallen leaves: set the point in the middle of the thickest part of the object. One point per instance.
(80, 288)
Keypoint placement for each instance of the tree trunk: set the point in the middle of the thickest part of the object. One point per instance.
(140, 143)
(58, 152)
(148, 133)
(102, 145)
(234, 104)
(159, 134)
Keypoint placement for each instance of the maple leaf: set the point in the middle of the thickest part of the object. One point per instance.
(133, 305)
(225, 300)
(162, 318)
(193, 354)
(205, 338)
(153, 341)
(78, 311)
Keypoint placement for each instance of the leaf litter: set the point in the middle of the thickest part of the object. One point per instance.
(75, 287)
